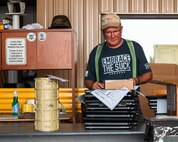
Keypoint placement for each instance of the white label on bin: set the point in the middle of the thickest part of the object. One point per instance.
(16, 51)
(42, 36)
(161, 106)
(31, 37)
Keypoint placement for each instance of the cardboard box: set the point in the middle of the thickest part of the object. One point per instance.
(172, 93)
(117, 84)
(165, 77)
(163, 69)
(176, 71)
(161, 72)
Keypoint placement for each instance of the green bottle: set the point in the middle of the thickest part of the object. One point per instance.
(15, 105)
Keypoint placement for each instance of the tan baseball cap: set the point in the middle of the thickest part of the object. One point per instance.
(110, 20)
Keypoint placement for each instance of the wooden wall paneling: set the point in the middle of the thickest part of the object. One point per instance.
(50, 12)
(61, 7)
(71, 9)
(44, 12)
(78, 27)
(91, 14)
(41, 16)
(87, 30)
(66, 7)
(41, 19)
(67, 73)
(106, 5)
(121, 6)
(175, 6)
(137, 6)
(167, 6)
(76, 14)
(152, 6)
(58, 7)
(96, 22)
(87, 34)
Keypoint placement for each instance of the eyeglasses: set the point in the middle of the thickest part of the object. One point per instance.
(109, 33)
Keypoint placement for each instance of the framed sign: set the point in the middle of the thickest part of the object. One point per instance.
(16, 51)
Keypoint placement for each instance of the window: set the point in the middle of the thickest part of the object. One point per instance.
(150, 30)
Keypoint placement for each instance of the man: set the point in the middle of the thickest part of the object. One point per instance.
(118, 58)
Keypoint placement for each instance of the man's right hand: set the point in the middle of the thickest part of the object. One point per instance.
(97, 85)
(92, 85)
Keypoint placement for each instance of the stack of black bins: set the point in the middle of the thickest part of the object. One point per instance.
(152, 101)
(124, 116)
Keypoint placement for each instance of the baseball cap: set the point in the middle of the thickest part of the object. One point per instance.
(110, 20)
(60, 22)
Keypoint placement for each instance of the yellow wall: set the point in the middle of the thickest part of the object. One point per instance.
(65, 97)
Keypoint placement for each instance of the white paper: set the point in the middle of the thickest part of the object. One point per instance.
(56, 78)
(110, 97)
(16, 51)
(161, 105)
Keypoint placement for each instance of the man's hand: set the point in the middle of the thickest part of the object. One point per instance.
(92, 85)
(135, 81)
(142, 79)
(97, 85)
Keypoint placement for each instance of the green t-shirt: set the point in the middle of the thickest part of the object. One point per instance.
(116, 63)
